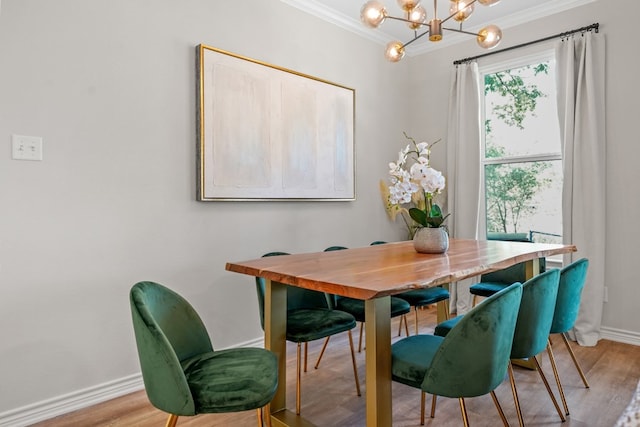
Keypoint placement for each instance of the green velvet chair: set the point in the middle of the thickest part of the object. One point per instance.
(309, 318)
(532, 329)
(419, 298)
(182, 373)
(355, 307)
(572, 279)
(491, 283)
(470, 361)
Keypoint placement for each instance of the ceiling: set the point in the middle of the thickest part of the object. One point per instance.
(505, 14)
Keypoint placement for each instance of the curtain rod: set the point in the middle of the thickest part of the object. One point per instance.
(591, 27)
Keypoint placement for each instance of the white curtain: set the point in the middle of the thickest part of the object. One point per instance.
(581, 110)
(463, 167)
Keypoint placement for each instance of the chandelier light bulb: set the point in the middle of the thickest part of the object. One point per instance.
(394, 52)
(488, 2)
(407, 5)
(373, 14)
(417, 16)
(461, 10)
(489, 36)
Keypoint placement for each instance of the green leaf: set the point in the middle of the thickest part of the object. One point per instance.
(418, 216)
(435, 211)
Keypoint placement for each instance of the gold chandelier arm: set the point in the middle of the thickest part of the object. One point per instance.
(415, 38)
(461, 31)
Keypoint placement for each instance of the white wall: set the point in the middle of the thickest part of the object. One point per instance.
(621, 204)
(110, 86)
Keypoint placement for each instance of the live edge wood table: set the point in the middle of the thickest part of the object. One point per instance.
(373, 274)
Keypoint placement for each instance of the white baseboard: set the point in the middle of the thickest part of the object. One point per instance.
(66, 403)
(70, 402)
(620, 335)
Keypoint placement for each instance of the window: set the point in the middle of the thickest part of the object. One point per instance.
(522, 160)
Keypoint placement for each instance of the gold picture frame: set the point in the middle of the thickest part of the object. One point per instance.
(268, 133)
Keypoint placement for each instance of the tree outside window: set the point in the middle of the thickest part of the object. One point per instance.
(522, 158)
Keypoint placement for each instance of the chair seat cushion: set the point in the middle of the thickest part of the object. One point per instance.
(426, 296)
(232, 380)
(442, 329)
(411, 358)
(486, 289)
(305, 325)
(356, 307)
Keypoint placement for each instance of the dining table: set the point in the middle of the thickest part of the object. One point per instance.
(374, 274)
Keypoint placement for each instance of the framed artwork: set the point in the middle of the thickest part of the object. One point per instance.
(268, 133)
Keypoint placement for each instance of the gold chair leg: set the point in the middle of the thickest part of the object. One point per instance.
(306, 352)
(360, 338)
(406, 324)
(353, 361)
(475, 301)
(463, 409)
(324, 347)
(423, 397)
(298, 379)
(500, 411)
(403, 320)
(433, 405)
(267, 411)
(516, 401)
(552, 359)
(575, 361)
(260, 424)
(172, 420)
(416, 311)
(551, 395)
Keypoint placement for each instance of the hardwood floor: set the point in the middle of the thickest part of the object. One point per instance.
(329, 396)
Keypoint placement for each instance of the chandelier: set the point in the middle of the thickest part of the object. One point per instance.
(373, 14)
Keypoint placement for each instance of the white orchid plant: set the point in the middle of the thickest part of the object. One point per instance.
(414, 182)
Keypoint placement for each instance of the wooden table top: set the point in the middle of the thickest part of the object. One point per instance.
(380, 270)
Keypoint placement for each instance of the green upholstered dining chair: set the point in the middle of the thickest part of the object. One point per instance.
(531, 335)
(182, 373)
(355, 307)
(419, 298)
(572, 279)
(309, 318)
(491, 283)
(470, 361)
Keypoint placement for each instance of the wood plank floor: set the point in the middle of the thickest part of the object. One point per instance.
(329, 397)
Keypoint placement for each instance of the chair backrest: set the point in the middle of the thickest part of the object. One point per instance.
(335, 248)
(536, 314)
(168, 330)
(572, 279)
(515, 273)
(297, 298)
(473, 358)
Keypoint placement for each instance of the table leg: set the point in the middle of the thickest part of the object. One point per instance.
(275, 339)
(532, 268)
(378, 361)
(275, 335)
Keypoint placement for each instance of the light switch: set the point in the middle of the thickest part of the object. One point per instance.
(26, 147)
